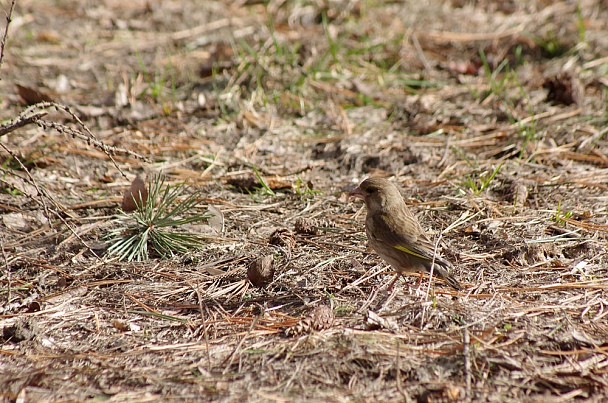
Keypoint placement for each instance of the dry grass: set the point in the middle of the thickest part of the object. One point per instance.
(448, 99)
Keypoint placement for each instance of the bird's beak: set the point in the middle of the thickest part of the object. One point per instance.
(357, 192)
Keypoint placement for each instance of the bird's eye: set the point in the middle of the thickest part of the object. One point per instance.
(371, 191)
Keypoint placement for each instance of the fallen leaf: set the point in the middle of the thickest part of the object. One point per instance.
(136, 196)
(31, 96)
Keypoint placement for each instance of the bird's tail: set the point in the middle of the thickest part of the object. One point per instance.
(441, 271)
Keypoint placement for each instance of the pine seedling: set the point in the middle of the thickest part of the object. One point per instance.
(155, 224)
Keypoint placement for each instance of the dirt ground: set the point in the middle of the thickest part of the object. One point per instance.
(490, 116)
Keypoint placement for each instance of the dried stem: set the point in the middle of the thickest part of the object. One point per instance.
(5, 35)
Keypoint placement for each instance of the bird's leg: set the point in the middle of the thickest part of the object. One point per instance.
(419, 280)
(390, 286)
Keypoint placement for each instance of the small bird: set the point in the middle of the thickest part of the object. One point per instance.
(395, 233)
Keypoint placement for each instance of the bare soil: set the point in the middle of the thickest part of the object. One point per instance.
(490, 116)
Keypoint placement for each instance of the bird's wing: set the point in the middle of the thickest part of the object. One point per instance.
(392, 233)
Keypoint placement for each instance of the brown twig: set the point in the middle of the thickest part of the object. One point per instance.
(466, 341)
(8, 273)
(43, 194)
(86, 135)
(398, 371)
(20, 121)
(5, 35)
(32, 181)
(240, 343)
(203, 324)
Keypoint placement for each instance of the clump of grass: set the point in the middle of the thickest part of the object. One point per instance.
(479, 183)
(304, 189)
(161, 85)
(580, 23)
(154, 224)
(561, 216)
(498, 78)
(264, 187)
(507, 89)
(553, 45)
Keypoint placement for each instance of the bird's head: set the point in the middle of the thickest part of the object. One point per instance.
(377, 193)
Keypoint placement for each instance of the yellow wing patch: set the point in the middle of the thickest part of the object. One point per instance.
(408, 251)
(389, 221)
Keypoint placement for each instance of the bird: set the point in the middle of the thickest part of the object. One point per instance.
(396, 235)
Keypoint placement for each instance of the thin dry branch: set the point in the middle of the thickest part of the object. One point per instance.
(5, 35)
(25, 118)
(20, 122)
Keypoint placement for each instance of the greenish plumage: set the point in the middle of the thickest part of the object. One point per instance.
(395, 234)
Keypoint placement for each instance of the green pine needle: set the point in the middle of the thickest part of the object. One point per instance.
(155, 224)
